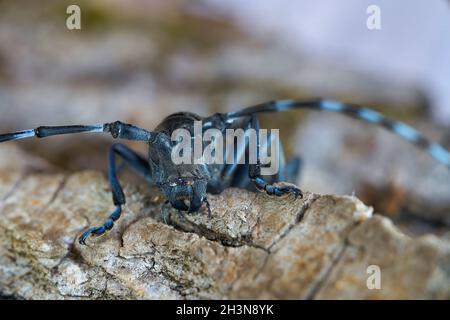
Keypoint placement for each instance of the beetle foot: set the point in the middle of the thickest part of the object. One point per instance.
(283, 190)
(95, 231)
(277, 189)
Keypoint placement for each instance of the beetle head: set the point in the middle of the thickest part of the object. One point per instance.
(185, 194)
(184, 184)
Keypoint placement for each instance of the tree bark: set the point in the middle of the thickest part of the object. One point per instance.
(254, 246)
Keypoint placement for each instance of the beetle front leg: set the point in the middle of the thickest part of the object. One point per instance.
(138, 164)
(255, 172)
(276, 190)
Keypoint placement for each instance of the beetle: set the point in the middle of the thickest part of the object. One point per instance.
(185, 185)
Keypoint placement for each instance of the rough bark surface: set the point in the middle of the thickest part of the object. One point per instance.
(254, 246)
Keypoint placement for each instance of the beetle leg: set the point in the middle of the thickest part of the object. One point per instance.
(97, 231)
(138, 164)
(255, 172)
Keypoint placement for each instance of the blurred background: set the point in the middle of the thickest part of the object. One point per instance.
(139, 61)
